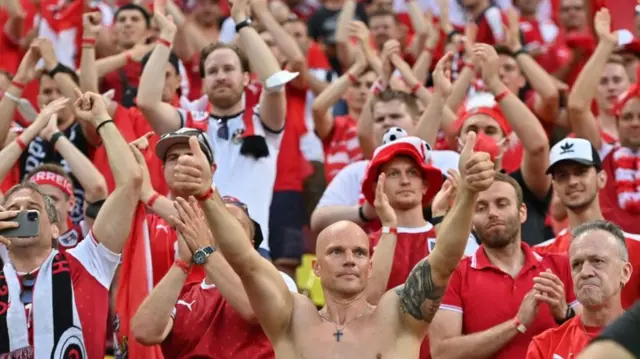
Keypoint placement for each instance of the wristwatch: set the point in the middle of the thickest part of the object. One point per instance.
(243, 23)
(201, 255)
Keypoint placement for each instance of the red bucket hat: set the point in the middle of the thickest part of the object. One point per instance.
(482, 103)
(414, 148)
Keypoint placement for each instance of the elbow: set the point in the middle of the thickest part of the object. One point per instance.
(144, 102)
(97, 191)
(318, 220)
(575, 105)
(144, 333)
(249, 316)
(439, 351)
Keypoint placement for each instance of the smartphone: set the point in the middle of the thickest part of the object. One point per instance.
(28, 225)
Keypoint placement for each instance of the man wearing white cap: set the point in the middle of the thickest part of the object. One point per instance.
(576, 169)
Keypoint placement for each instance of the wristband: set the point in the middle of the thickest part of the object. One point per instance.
(182, 265)
(429, 49)
(164, 42)
(451, 33)
(415, 88)
(502, 95)
(361, 215)
(436, 220)
(21, 144)
(102, 124)
(17, 84)
(152, 200)
(58, 68)
(54, 138)
(389, 230)
(521, 51)
(242, 24)
(519, 326)
(568, 315)
(352, 78)
(205, 196)
(86, 42)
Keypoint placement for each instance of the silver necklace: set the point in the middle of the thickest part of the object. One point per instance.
(339, 329)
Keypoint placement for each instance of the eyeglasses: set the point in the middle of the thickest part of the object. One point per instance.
(27, 283)
(223, 130)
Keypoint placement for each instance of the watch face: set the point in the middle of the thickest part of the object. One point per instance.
(199, 257)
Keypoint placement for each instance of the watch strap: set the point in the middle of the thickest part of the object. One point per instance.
(242, 24)
(59, 68)
(519, 326)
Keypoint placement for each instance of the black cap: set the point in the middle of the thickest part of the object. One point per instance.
(182, 136)
(257, 235)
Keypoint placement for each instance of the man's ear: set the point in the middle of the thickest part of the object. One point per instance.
(55, 231)
(316, 267)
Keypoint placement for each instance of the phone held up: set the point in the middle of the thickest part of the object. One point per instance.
(28, 225)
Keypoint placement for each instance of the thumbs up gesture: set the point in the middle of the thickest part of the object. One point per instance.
(476, 168)
(193, 175)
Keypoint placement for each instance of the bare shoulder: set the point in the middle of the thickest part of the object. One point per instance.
(420, 296)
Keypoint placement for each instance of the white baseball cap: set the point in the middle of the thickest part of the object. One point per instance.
(575, 150)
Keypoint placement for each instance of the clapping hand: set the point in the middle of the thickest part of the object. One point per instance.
(550, 289)
(477, 171)
(51, 128)
(193, 174)
(386, 213)
(602, 26)
(52, 108)
(92, 24)
(488, 58)
(167, 28)
(90, 107)
(191, 224)
(528, 309)
(442, 75)
(27, 70)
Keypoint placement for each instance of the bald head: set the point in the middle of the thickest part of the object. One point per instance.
(340, 230)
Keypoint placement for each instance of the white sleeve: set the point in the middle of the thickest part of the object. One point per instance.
(227, 31)
(100, 262)
(345, 188)
(291, 284)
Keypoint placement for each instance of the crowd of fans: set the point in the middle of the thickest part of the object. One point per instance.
(463, 177)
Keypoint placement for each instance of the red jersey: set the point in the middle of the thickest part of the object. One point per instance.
(412, 246)
(490, 26)
(164, 250)
(342, 146)
(631, 291)
(540, 36)
(566, 341)
(477, 285)
(131, 71)
(206, 326)
(292, 167)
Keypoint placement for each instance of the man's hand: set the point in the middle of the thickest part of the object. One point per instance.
(192, 174)
(442, 75)
(477, 171)
(51, 128)
(167, 28)
(359, 30)
(90, 107)
(5, 224)
(147, 187)
(191, 224)
(138, 51)
(602, 26)
(27, 70)
(142, 142)
(49, 110)
(488, 58)
(528, 309)
(512, 31)
(384, 210)
(240, 10)
(259, 7)
(92, 24)
(389, 49)
(444, 199)
(550, 289)
(47, 53)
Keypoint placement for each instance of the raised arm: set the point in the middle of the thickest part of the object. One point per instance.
(113, 224)
(267, 291)
(273, 105)
(162, 117)
(345, 17)
(581, 119)
(419, 298)
(524, 123)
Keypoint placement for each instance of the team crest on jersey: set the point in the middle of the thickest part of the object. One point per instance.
(432, 244)
(69, 239)
(236, 137)
(200, 116)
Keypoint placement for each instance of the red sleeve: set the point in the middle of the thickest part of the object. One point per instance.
(452, 299)
(535, 351)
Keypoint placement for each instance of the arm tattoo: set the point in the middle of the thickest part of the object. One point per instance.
(418, 290)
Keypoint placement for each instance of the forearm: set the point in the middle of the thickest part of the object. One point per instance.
(417, 18)
(121, 160)
(316, 85)
(83, 169)
(7, 110)
(344, 18)
(539, 79)
(323, 217)
(365, 127)
(522, 120)
(8, 157)
(381, 268)
(67, 86)
(110, 64)
(429, 123)
(421, 66)
(584, 89)
(261, 59)
(285, 42)
(88, 73)
(162, 206)
(154, 314)
(219, 272)
(479, 345)
(460, 88)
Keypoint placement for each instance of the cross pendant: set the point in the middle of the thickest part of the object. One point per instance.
(338, 334)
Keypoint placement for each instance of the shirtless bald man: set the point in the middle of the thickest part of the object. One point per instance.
(347, 327)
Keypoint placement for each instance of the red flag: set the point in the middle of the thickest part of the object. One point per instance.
(136, 282)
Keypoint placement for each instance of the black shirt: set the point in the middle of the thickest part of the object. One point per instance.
(323, 23)
(534, 229)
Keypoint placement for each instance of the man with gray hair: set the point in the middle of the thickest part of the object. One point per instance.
(600, 268)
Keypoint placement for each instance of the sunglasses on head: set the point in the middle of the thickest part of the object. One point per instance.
(236, 202)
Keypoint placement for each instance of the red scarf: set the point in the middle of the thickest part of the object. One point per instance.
(627, 176)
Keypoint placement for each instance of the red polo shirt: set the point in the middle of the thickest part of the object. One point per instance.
(487, 296)
(566, 341)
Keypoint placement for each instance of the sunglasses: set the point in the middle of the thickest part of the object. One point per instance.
(236, 202)
(27, 283)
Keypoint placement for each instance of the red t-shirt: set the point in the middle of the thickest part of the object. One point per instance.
(164, 250)
(486, 296)
(292, 167)
(132, 71)
(342, 146)
(412, 246)
(491, 26)
(631, 291)
(206, 326)
(566, 341)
